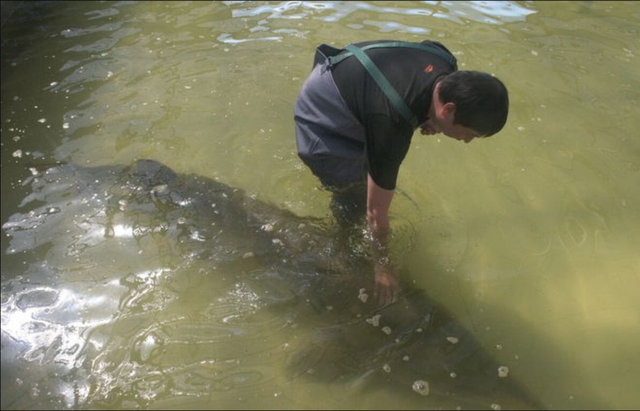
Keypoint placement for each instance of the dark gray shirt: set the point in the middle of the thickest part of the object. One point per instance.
(413, 74)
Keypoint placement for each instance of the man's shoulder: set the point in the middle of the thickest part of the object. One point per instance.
(436, 44)
(430, 43)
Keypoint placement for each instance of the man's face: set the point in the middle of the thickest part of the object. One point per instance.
(442, 122)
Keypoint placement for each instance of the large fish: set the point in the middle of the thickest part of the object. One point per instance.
(152, 286)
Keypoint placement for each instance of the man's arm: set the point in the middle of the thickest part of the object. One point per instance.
(378, 202)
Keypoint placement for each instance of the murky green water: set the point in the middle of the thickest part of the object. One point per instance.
(529, 239)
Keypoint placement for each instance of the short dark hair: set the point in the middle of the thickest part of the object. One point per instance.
(482, 101)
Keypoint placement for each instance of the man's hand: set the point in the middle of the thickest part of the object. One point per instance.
(386, 286)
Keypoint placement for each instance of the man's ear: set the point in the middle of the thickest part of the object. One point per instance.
(449, 110)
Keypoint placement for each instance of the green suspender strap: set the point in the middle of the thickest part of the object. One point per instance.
(396, 101)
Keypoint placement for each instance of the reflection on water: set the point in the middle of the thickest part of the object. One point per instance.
(492, 12)
(528, 240)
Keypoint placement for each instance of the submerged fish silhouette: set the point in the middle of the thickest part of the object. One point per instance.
(130, 245)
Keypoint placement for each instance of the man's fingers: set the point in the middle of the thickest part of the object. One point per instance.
(386, 296)
(380, 295)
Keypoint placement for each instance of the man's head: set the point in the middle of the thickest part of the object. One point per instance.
(468, 104)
